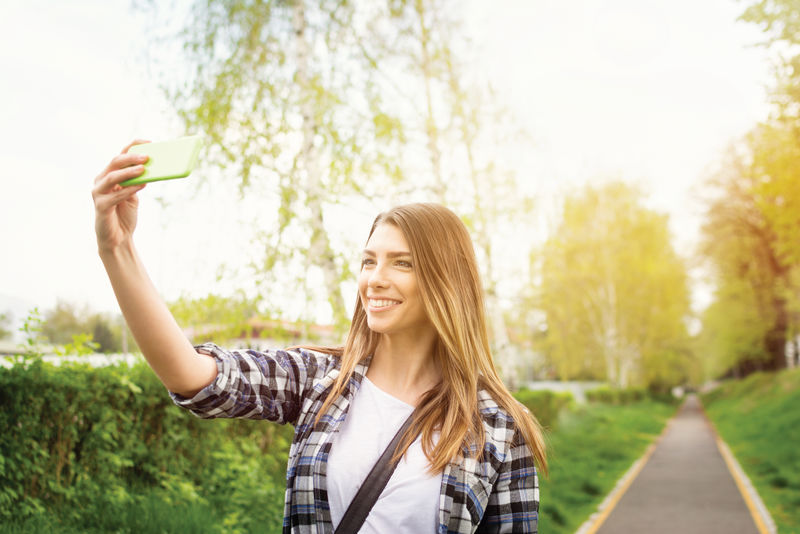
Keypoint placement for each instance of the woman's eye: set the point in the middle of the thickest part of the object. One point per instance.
(367, 261)
(403, 263)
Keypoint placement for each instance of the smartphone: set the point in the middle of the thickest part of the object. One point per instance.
(168, 159)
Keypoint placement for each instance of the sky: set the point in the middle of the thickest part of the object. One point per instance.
(649, 92)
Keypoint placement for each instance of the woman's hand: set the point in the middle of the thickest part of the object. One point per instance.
(116, 206)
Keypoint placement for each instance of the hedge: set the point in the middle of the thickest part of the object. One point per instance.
(619, 396)
(545, 405)
(76, 437)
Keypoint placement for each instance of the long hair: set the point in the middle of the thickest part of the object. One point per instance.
(451, 290)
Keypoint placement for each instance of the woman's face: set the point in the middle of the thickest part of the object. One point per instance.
(387, 284)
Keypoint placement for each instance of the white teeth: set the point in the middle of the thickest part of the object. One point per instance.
(375, 303)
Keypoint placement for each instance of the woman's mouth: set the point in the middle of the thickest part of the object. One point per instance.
(381, 304)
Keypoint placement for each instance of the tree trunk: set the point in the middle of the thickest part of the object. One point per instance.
(431, 130)
(775, 341)
(320, 251)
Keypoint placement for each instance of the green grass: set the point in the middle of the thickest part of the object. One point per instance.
(759, 419)
(150, 512)
(589, 451)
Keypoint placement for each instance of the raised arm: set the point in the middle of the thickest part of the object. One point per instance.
(179, 367)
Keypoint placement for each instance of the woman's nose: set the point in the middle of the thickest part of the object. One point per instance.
(377, 277)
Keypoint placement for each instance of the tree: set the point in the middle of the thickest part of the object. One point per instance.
(774, 149)
(286, 94)
(751, 240)
(346, 102)
(734, 329)
(614, 292)
(213, 317)
(66, 320)
(779, 20)
(5, 325)
(459, 140)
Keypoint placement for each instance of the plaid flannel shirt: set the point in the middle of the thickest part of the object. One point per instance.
(498, 493)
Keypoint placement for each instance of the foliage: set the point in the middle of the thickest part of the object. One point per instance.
(104, 450)
(545, 405)
(289, 98)
(779, 21)
(66, 321)
(469, 139)
(149, 511)
(752, 240)
(752, 231)
(78, 439)
(776, 185)
(614, 292)
(325, 108)
(5, 322)
(31, 347)
(215, 318)
(81, 345)
(589, 450)
(617, 396)
(758, 419)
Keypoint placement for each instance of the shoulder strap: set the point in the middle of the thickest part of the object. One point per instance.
(373, 485)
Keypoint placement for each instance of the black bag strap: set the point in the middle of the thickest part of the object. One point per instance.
(372, 487)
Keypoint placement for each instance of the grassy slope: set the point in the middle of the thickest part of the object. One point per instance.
(589, 451)
(759, 418)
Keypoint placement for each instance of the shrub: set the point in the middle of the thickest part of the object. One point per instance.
(76, 437)
(544, 404)
(618, 396)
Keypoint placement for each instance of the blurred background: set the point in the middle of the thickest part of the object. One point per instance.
(628, 172)
(625, 169)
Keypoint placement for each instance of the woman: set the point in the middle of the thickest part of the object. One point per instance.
(418, 345)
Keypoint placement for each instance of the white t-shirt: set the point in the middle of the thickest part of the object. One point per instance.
(410, 501)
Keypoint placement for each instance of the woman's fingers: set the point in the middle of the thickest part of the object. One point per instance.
(110, 200)
(123, 160)
(108, 183)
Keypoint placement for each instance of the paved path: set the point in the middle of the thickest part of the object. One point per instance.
(685, 487)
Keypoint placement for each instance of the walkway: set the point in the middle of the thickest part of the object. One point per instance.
(685, 486)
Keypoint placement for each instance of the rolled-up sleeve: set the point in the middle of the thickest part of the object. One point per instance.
(257, 385)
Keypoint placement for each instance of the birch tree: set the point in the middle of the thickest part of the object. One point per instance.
(286, 95)
(333, 101)
(459, 139)
(614, 292)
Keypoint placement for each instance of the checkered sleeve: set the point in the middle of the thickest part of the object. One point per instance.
(513, 504)
(257, 385)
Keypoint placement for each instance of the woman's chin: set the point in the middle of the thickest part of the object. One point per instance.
(375, 328)
(379, 327)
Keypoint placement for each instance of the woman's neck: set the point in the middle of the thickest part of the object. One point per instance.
(404, 367)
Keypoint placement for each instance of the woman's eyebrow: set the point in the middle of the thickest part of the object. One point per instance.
(394, 254)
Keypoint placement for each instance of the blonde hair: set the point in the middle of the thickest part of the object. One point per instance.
(451, 290)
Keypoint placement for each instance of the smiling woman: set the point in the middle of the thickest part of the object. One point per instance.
(389, 290)
(419, 322)
(415, 379)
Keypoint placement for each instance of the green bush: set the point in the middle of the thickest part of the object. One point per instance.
(619, 396)
(545, 405)
(88, 441)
